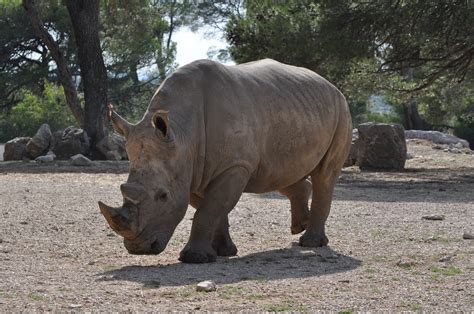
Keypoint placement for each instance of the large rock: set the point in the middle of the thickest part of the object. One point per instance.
(15, 149)
(39, 143)
(381, 146)
(113, 147)
(436, 137)
(70, 142)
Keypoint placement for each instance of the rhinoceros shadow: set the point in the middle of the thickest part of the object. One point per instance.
(293, 262)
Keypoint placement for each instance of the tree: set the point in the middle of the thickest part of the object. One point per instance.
(64, 75)
(85, 21)
(398, 48)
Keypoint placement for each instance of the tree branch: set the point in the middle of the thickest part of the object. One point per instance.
(65, 77)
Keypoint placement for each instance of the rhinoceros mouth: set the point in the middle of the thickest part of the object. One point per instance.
(155, 244)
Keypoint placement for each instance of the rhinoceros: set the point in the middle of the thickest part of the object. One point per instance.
(212, 132)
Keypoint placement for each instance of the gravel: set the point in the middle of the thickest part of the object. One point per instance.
(58, 254)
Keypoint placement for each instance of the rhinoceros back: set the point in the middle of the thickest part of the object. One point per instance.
(275, 120)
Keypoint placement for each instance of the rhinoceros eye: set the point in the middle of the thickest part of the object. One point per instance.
(161, 195)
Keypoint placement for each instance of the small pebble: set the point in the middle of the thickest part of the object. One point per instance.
(433, 217)
(468, 236)
(445, 259)
(404, 263)
(74, 306)
(206, 286)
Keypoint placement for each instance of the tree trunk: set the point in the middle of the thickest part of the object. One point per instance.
(411, 116)
(412, 119)
(85, 22)
(64, 75)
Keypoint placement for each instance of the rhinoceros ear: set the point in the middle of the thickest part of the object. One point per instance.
(161, 123)
(121, 125)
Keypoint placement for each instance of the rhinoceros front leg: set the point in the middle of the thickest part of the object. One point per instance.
(221, 241)
(210, 219)
(298, 194)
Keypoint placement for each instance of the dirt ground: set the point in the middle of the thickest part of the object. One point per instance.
(57, 253)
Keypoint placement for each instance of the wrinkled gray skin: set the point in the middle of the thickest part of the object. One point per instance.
(212, 132)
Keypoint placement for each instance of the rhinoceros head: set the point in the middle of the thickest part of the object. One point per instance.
(156, 194)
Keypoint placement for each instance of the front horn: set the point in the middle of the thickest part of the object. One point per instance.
(120, 220)
(121, 125)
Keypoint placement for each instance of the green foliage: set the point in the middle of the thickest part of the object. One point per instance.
(464, 128)
(412, 52)
(32, 111)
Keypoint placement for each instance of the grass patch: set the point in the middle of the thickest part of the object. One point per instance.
(416, 307)
(286, 306)
(446, 271)
(36, 297)
(370, 271)
(256, 296)
(6, 295)
(151, 284)
(230, 292)
(346, 311)
(110, 267)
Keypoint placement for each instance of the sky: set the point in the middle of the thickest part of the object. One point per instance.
(194, 46)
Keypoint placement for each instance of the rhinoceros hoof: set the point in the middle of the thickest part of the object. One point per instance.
(295, 229)
(225, 249)
(197, 256)
(310, 239)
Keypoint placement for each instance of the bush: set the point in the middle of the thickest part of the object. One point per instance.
(32, 111)
(464, 128)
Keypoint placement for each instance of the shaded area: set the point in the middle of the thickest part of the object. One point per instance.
(294, 262)
(63, 166)
(440, 185)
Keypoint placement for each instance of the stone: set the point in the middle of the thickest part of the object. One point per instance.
(40, 142)
(433, 217)
(15, 149)
(80, 160)
(406, 263)
(381, 146)
(113, 155)
(206, 286)
(70, 142)
(45, 158)
(112, 142)
(468, 236)
(436, 137)
(446, 259)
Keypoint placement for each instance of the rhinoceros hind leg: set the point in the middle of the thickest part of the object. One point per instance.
(298, 194)
(210, 224)
(222, 241)
(323, 179)
(320, 206)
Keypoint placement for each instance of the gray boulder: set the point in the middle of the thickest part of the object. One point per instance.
(15, 149)
(39, 143)
(436, 137)
(112, 143)
(381, 146)
(70, 142)
(80, 160)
